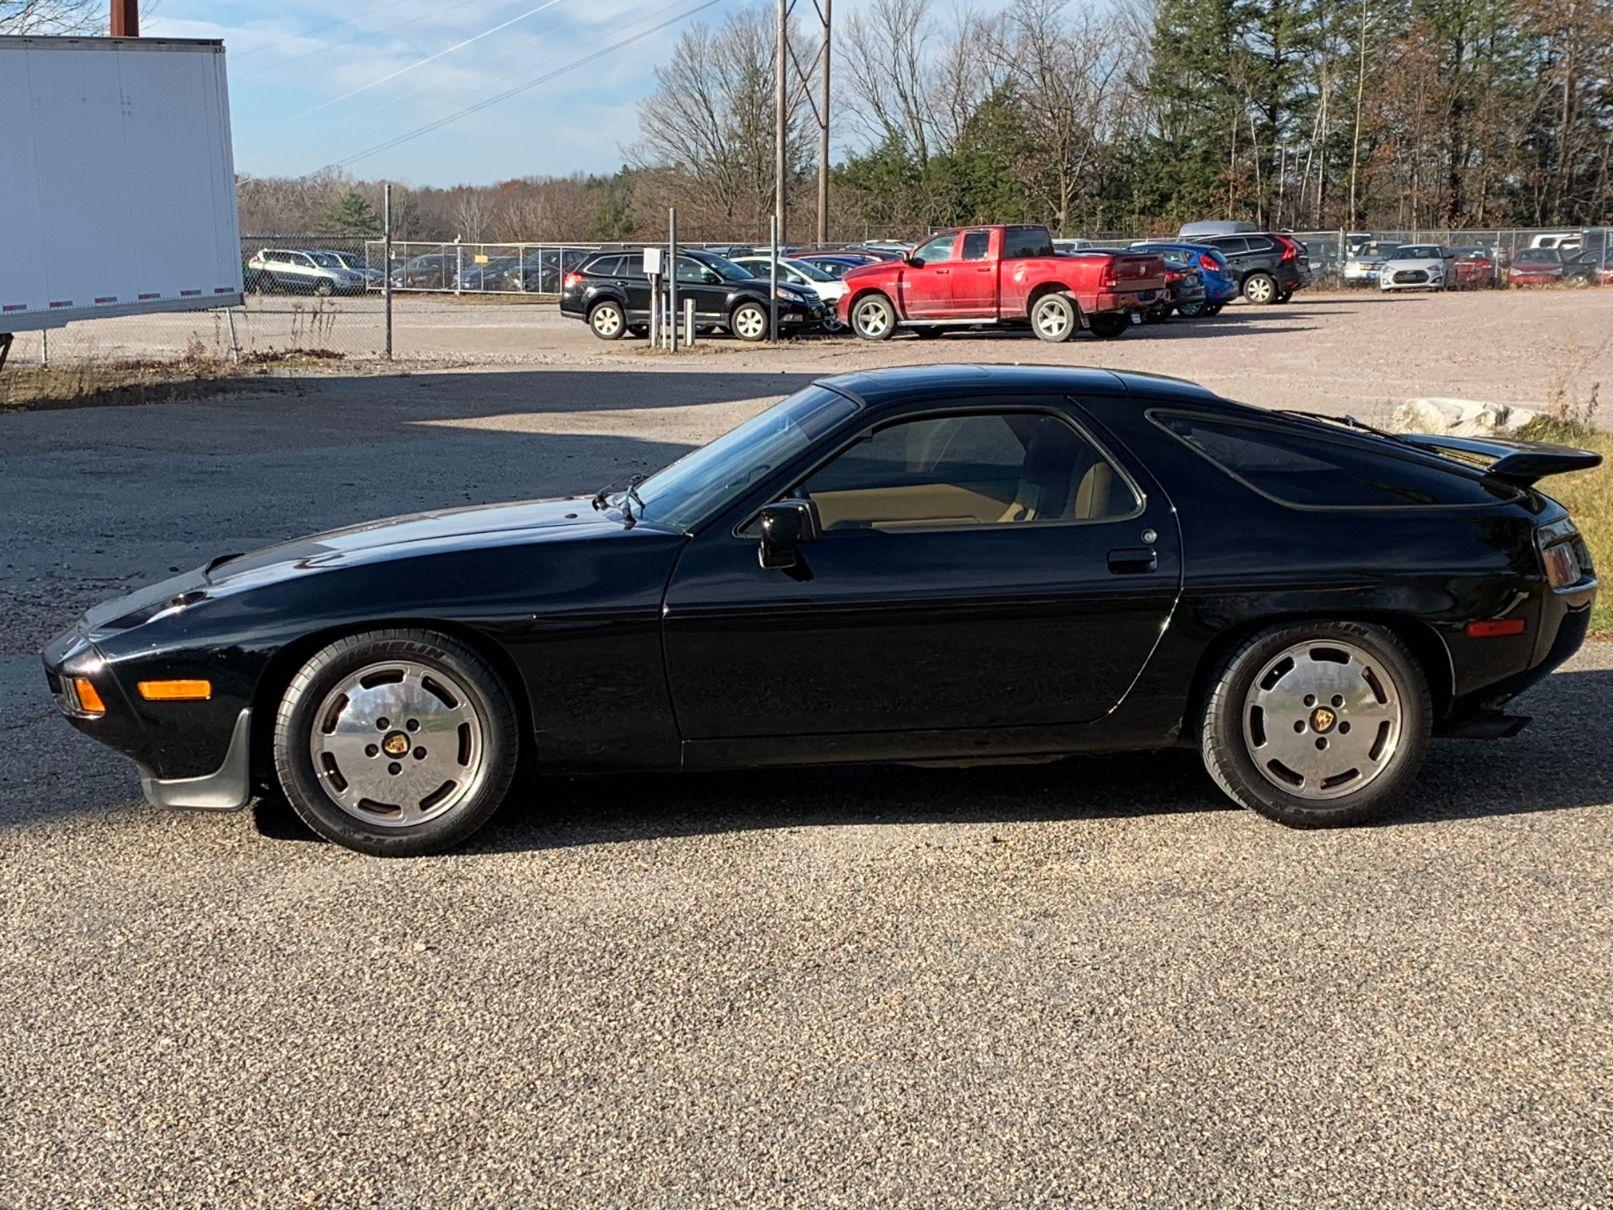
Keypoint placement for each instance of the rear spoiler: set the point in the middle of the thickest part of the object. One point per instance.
(1520, 463)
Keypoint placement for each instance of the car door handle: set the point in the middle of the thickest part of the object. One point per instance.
(942, 272)
(1132, 560)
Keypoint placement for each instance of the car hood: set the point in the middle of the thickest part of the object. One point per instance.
(418, 533)
(1414, 262)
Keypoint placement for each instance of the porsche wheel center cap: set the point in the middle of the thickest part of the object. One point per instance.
(395, 744)
(1322, 720)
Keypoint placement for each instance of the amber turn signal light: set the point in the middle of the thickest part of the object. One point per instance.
(176, 691)
(89, 700)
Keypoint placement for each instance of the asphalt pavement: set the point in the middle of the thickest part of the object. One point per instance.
(1089, 982)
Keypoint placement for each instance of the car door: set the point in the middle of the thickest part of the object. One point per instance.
(974, 278)
(701, 283)
(927, 280)
(980, 568)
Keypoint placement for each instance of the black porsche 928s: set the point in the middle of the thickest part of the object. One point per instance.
(929, 564)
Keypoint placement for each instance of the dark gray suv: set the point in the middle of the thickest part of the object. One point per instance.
(1269, 266)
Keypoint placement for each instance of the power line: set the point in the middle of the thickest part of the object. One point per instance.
(374, 33)
(520, 88)
(392, 102)
(308, 33)
(422, 62)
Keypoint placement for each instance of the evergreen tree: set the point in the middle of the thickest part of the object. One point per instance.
(350, 214)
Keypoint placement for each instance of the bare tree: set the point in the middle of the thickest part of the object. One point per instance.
(886, 56)
(52, 16)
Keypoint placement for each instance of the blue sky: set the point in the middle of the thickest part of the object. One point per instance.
(290, 80)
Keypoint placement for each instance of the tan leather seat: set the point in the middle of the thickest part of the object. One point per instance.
(1092, 496)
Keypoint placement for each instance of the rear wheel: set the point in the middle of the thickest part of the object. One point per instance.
(749, 322)
(873, 317)
(1317, 724)
(1110, 325)
(1260, 289)
(1192, 310)
(1054, 318)
(396, 742)
(324, 287)
(607, 320)
(1157, 317)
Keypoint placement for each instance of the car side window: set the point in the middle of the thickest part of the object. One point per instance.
(976, 245)
(1259, 243)
(1231, 245)
(691, 270)
(606, 266)
(989, 468)
(1309, 470)
(937, 249)
(1026, 241)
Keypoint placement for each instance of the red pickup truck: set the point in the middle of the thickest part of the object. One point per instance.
(1003, 275)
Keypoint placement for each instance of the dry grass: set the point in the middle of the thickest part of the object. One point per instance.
(91, 381)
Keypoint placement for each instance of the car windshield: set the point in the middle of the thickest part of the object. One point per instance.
(1417, 252)
(1542, 256)
(1377, 250)
(680, 496)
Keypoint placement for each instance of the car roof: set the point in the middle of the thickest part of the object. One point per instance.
(898, 384)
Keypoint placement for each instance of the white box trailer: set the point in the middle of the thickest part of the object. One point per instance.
(117, 180)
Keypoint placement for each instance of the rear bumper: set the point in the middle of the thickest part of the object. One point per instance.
(1565, 618)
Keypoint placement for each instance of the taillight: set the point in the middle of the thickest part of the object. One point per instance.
(1172, 275)
(1558, 553)
(1109, 277)
(571, 281)
(1207, 262)
(1290, 248)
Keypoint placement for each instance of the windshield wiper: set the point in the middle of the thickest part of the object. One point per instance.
(1349, 422)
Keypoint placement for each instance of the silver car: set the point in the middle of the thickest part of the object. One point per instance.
(1362, 265)
(1417, 267)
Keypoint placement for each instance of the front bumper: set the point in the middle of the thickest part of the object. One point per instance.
(227, 788)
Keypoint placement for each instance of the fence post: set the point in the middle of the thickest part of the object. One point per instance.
(459, 264)
(688, 323)
(386, 262)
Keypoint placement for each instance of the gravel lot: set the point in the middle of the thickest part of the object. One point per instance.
(1355, 351)
(1087, 982)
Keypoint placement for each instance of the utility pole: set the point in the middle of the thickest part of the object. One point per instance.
(793, 82)
(125, 19)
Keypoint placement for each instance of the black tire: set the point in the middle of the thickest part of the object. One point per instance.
(487, 699)
(873, 317)
(1213, 310)
(749, 322)
(1260, 288)
(1229, 722)
(1192, 310)
(1055, 318)
(1157, 317)
(324, 287)
(607, 320)
(1110, 325)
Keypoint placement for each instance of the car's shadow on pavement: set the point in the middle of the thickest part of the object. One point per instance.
(1564, 761)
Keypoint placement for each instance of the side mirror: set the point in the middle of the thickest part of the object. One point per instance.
(785, 525)
(912, 262)
(711, 278)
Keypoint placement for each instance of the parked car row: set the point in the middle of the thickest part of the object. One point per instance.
(1549, 259)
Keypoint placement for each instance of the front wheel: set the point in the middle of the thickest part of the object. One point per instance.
(1317, 724)
(873, 317)
(1260, 289)
(396, 742)
(1110, 325)
(749, 322)
(324, 287)
(1054, 318)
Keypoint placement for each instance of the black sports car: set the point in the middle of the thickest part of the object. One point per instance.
(935, 564)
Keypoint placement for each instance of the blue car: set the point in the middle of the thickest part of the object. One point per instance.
(1220, 283)
(836, 264)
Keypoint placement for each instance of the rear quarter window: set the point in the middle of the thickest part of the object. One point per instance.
(604, 266)
(1307, 470)
(1026, 241)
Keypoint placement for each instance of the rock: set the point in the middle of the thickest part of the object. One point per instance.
(1460, 417)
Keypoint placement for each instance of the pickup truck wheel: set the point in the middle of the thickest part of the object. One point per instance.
(1260, 289)
(607, 320)
(1053, 318)
(1111, 325)
(873, 318)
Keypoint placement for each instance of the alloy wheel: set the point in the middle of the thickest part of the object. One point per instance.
(1053, 319)
(872, 318)
(398, 743)
(1322, 719)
